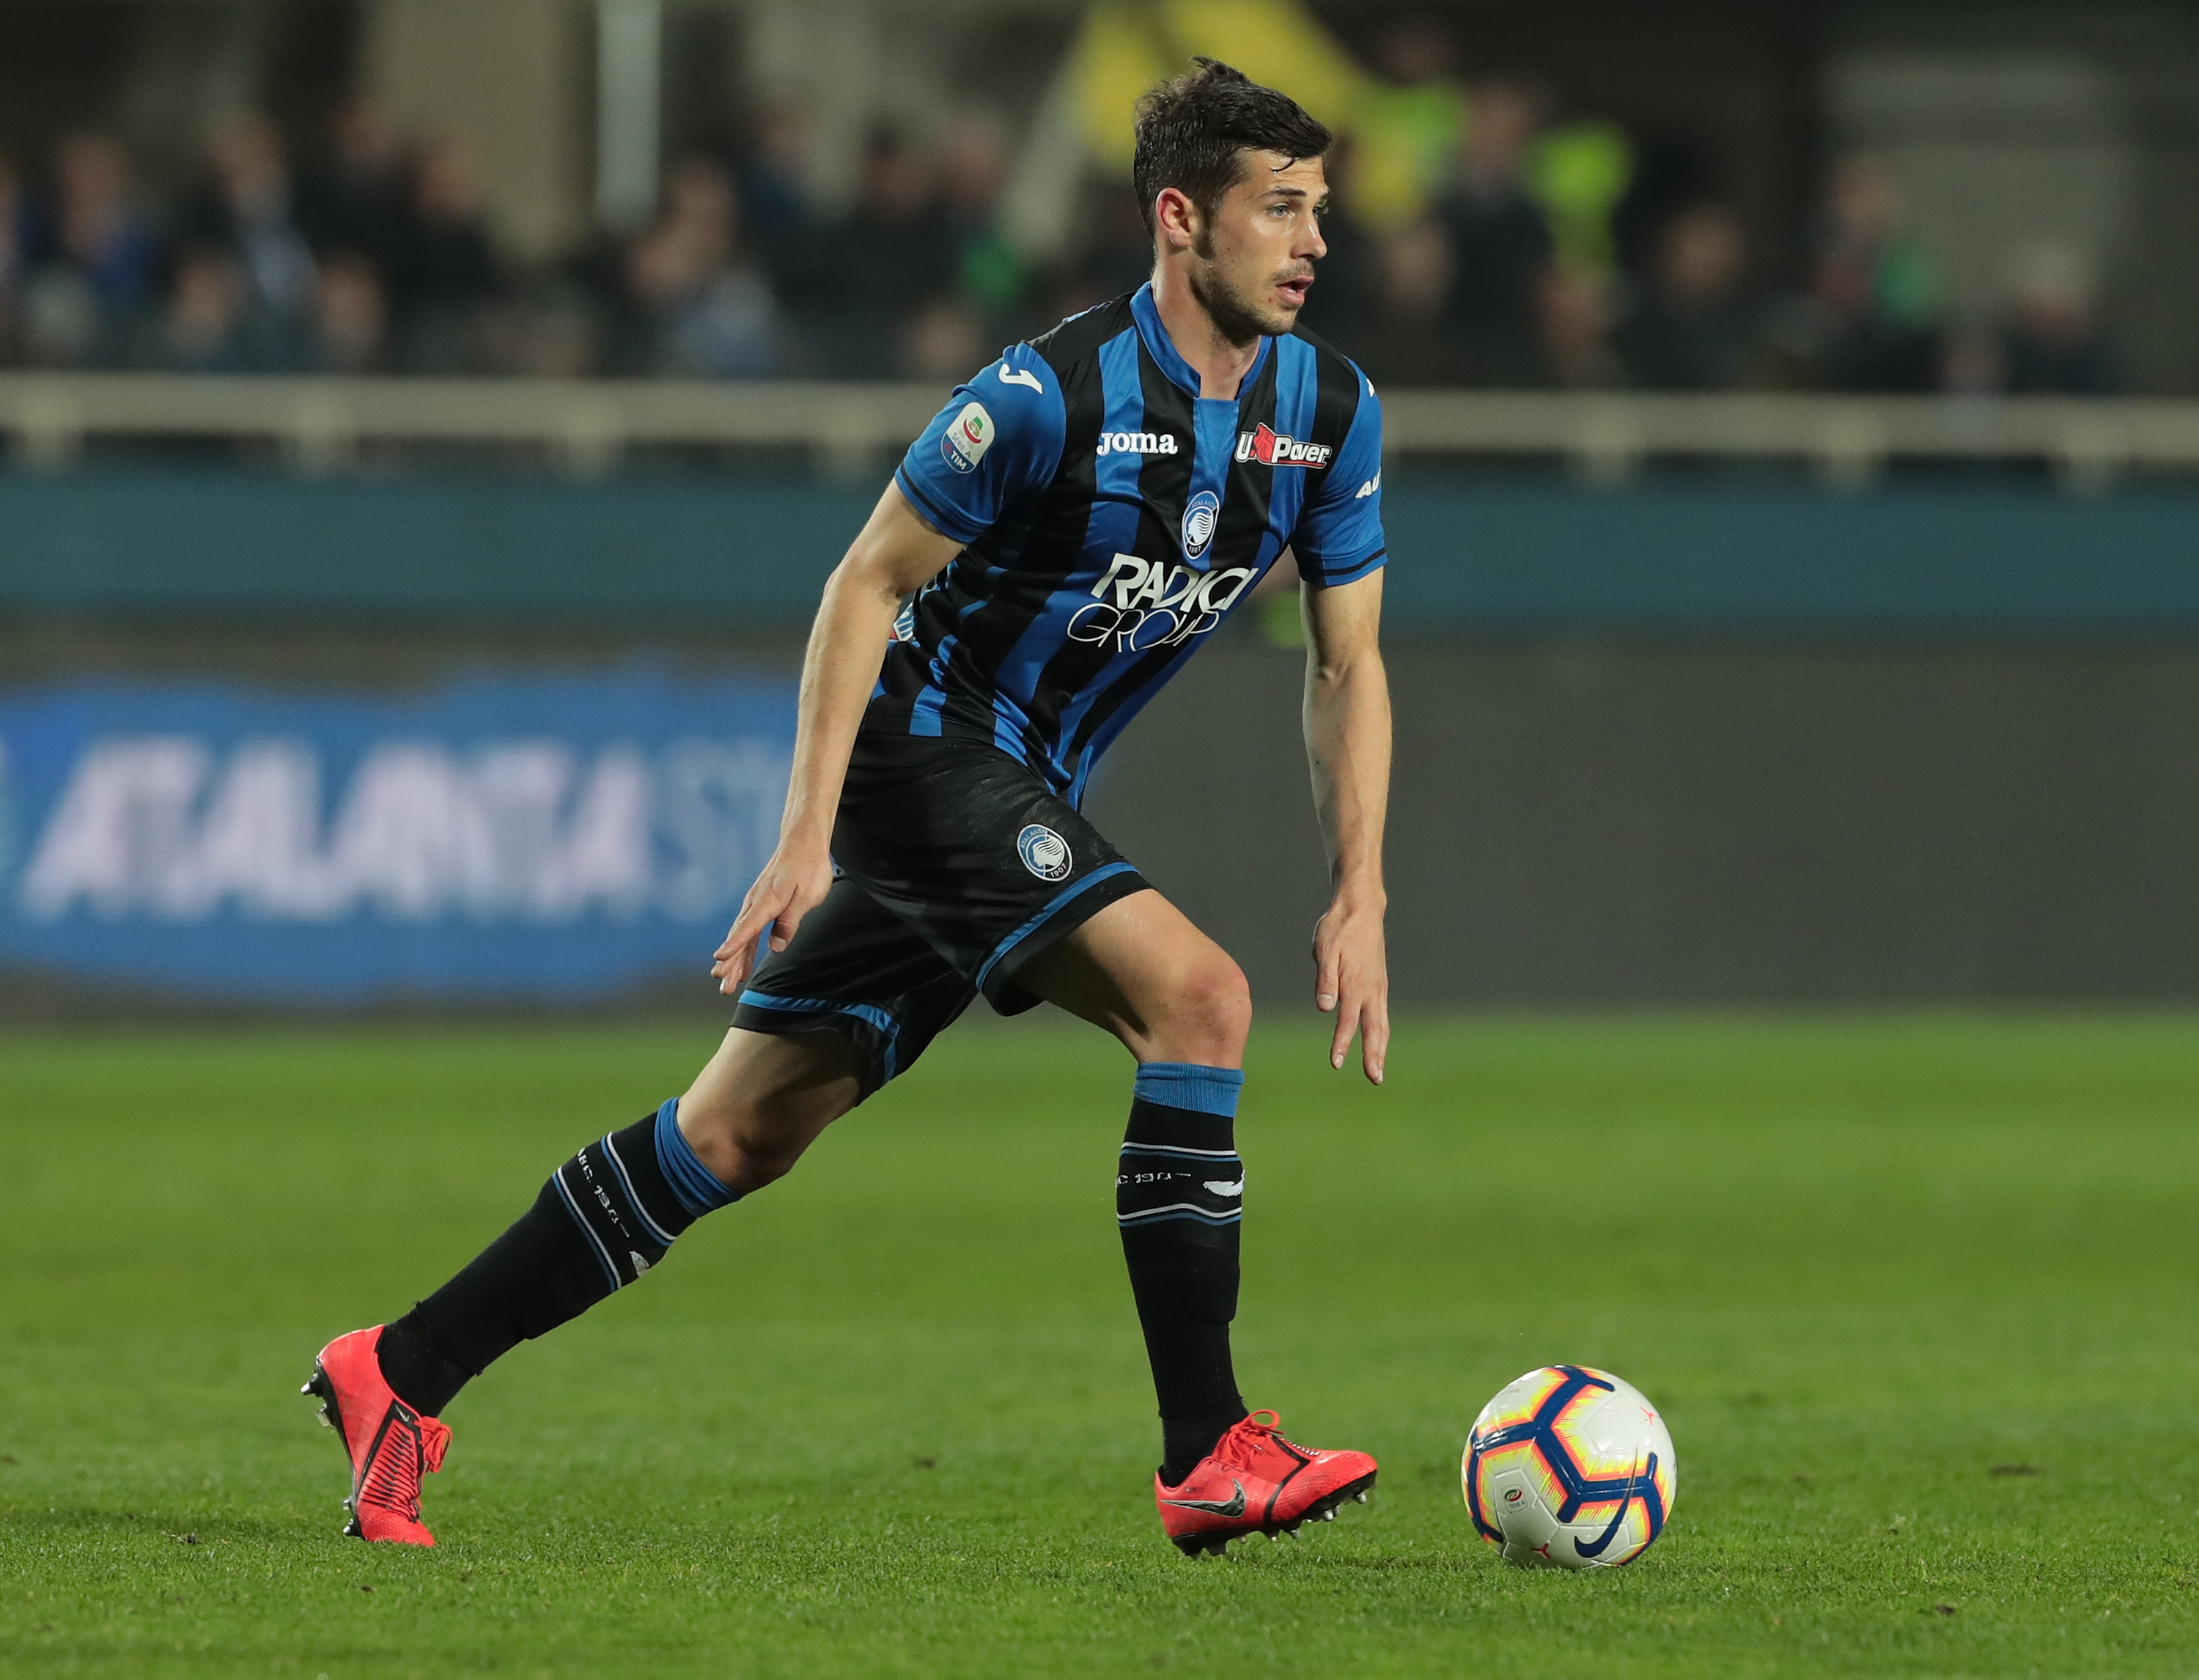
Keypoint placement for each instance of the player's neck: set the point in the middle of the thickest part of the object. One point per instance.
(1220, 363)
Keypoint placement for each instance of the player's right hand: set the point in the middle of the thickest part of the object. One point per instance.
(789, 889)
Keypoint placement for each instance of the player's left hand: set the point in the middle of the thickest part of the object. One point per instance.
(793, 883)
(1351, 980)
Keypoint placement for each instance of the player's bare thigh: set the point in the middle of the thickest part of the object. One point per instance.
(1142, 970)
(763, 1098)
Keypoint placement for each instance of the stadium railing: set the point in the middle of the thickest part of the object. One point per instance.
(587, 426)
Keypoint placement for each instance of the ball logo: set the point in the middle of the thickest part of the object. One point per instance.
(1044, 852)
(1199, 515)
(968, 436)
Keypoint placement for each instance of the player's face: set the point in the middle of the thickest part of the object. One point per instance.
(1255, 261)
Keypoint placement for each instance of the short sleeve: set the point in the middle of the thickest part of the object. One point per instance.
(999, 436)
(1338, 539)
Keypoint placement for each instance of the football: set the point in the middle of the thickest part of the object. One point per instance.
(1569, 1468)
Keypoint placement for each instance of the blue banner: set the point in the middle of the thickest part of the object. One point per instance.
(547, 837)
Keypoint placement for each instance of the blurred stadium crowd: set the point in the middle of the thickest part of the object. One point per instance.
(1481, 235)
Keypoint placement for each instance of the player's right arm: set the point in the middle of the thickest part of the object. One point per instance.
(998, 436)
(895, 554)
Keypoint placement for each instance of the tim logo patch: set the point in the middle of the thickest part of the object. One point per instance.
(969, 435)
(1044, 852)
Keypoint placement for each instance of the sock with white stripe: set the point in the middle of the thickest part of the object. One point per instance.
(604, 1218)
(1179, 1197)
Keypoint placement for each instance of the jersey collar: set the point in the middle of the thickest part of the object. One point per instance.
(1161, 348)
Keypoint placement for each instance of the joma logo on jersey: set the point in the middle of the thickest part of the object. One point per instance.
(1270, 449)
(1142, 604)
(1137, 443)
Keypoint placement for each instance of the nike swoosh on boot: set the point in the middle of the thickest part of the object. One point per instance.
(1220, 1507)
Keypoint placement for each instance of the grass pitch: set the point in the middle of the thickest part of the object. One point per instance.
(1920, 1298)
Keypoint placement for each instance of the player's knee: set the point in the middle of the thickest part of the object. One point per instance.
(750, 1141)
(1214, 1013)
(754, 1162)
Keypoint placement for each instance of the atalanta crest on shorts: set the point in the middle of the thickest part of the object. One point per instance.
(1199, 515)
(1044, 852)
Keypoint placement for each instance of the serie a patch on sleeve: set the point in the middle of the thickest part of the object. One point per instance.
(968, 437)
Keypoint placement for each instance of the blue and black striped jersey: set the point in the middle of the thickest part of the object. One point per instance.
(1112, 517)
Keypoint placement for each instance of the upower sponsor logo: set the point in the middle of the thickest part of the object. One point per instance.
(1272, 449)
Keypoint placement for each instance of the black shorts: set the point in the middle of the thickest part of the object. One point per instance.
(955, 867)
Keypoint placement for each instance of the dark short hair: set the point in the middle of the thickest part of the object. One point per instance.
(1192, 129)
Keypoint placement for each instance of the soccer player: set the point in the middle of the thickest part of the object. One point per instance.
(1078, 519)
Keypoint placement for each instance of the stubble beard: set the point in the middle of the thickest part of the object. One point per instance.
(1237, 317)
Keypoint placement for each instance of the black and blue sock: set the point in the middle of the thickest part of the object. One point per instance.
(1179, 1200)
(604, 1218)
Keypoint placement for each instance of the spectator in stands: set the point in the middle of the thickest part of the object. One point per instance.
(1500, 242)
(204, 327)
(1581, 172)
(1871, 320)
(1409, 124)
(704, 306)
(1691, 331)
(351, 322)
(1577, 310)
(248, 207)
(556, 330)
(444, 276)
(2053, 344)
(90, 256)
(1403, 336)
(354, 200)
(861, 282)
(1420, 342)
(944, 340)
(98, 228)
(954, 333)
(1972, 361)
(1116, 256)
(773, 177)
(973, 171)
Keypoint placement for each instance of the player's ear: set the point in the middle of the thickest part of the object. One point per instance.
(1177, 218)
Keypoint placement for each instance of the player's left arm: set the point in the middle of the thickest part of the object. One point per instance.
(1347, 736)
(1339, 549)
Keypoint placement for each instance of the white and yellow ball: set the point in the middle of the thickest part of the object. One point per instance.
(1570, 1469)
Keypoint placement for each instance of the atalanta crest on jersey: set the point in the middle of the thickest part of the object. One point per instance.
(1044, 852)
(1270, 449)
(1199, 513)
(967, 438)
